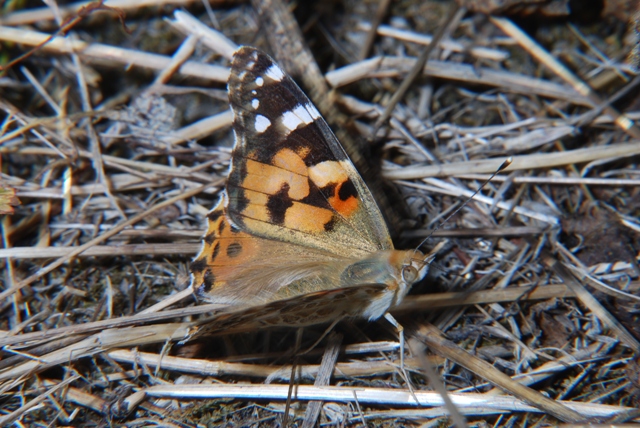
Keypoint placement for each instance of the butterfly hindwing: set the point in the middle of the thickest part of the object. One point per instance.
(299, 311)
(290, 179)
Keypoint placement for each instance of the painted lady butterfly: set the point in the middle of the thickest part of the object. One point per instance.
(296, 234)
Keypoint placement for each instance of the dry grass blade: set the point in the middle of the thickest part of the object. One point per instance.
(528, 162)
(111, 55)
(79, 250)
(587, 299)
(432, 337)
(535, 49)
(380, 396)
(329, 360)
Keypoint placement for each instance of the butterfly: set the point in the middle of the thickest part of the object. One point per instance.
(296, 236)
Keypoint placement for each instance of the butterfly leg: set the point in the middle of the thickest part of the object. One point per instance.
(400, 331)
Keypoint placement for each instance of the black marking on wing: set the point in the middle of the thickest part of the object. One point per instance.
(278, 204)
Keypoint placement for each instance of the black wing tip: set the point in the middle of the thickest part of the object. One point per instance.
(245, 55)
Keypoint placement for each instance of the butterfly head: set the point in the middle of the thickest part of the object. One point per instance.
(397, 270)
(415, 266)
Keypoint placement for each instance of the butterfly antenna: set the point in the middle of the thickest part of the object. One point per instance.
(502, 167)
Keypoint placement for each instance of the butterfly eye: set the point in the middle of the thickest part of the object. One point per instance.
(409, 274)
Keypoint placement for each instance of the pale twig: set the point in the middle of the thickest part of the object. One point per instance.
(423, 39)
(525, 162)
(559, 181)
(396, 66)
(102, 250)
(440, 186)
(37, 15)
(112, 56)
(214, 40)
(374, 396)
(381, 12)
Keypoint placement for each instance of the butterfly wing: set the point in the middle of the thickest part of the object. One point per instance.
(299, 311)
(296, 214)
(238, 268)
(290, 178)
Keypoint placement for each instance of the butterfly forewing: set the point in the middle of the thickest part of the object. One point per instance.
(290, 179)
(296, 229)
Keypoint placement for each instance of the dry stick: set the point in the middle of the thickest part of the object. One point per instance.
(65, 27)
(539, 160)
(594, 113)
(432, 337)
(94, 142)
(112, 56)
(433, 378)
(214, 40)
(391, 66)
(559, 181)
(202, 367)
(545, 58)
(589, 301)
(103, 250)
(6, 420)
(37, 15)
(376, 396)
(381, 12)
(180, 56)
(327, 367)
(51, 266)
(82, 398)
(289, 47)
(97, 343)
(423, 39)
(417, 68)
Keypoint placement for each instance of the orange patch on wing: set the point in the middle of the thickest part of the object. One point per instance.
(224, 251)
(257, 205)
(345, 208)
(291, 161)
(303, 151)
(307, 218)
(269, 179)
(332, 172)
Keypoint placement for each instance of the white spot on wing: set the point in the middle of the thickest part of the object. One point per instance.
(328, 172)
(275, 73)
(255, 103)
(262, 123)
(298, 116)
(303, 113)
(290, 120)
(259, 81)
